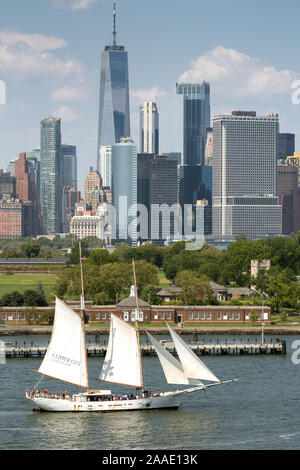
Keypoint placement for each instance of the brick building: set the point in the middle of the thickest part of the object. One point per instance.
(126, 308)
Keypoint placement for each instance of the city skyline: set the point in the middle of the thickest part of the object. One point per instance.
(50, 69)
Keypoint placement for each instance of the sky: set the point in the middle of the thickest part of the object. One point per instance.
(50, 55)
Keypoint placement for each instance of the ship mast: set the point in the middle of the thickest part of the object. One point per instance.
(137, 325)
(82, 307)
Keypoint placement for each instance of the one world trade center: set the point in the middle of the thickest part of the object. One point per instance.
(114, 115)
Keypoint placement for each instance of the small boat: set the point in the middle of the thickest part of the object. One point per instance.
(66, 360)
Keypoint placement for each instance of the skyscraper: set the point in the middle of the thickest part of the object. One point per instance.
(69, 166)
(195, 186)
(286, 145)
(196, 120)
(149, 133)
(50, 174)
(288, 195)
(245, 175)
(104, 165)
(92, 188)
(26, 190)
(22, 178)
(124, 188)
(7, 185)
(163, 195)
(114, 115)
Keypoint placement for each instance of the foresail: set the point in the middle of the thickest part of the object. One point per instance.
(171, 367)
(192, 365)
(122, 361)
(65, 358)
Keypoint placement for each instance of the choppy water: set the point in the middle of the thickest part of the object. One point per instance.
(260, 411)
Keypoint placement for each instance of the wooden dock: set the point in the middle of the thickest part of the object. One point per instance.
(99, 350)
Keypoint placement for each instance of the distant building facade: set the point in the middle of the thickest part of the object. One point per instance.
(50, 176)
(245, 199)
(69, 199)
(114, 113)
(27, 192)
(149, 128)
(7, 185)
(92, 188)
(293, 160)
(196, 120)
(286, 145)
(69, 166)
(209, 147)
(86, 223)
(289, 198)
(104, 165)
(124, 189)
(196, 185)
(15, 218)
(163, 200)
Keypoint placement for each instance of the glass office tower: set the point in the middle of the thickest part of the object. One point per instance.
(69, 166)
(124, 189)
(114, 114)
(50, 174)
(196, 120)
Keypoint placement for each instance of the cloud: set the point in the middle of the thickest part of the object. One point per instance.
(26, 56)
(66, 113)
(35, 41)
(75, 4)
(137, 97)
(238, 75)
(69, 93)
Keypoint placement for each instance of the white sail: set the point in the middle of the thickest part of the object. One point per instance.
(171, 367)
(65, 358)
(122, 362)
(192, 366)
(2, 353)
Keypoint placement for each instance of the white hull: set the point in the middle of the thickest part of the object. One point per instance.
(60, 404)
(80, 403)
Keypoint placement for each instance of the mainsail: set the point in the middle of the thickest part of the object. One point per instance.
(122, 361)
(65, 358)
(192, 366)
(171, 367)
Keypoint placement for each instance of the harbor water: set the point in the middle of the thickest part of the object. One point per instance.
(260, 411)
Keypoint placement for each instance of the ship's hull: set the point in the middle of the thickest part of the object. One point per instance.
(52, 404)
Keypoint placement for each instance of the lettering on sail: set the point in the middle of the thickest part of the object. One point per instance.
(65, 360)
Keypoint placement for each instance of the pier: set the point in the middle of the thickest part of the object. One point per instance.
(217, 349)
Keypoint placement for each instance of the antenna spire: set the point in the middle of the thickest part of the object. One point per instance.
(114, 30)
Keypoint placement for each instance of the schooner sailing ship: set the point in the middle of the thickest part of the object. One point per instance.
(66, 360)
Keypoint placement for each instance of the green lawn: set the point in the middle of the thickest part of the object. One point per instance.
(163, 281)
(23, 282)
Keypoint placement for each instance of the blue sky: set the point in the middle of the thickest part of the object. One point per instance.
(50, 54)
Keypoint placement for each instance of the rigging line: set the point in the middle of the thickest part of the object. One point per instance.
(39, 381)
